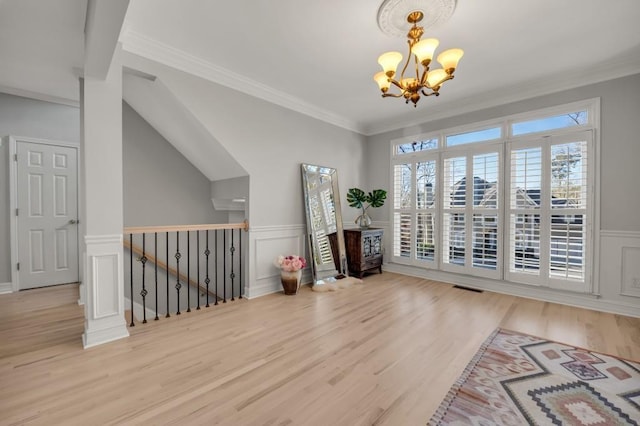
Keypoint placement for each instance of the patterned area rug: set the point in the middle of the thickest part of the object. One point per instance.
(516, 379)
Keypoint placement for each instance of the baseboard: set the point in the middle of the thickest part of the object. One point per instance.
(6, 288)
(271, 288)
(138, 310)
(106, 335)
(586, 301)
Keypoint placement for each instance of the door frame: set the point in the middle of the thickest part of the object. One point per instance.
(13, 200)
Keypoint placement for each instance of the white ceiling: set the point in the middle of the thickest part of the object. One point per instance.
(319, 57)
(41, 47)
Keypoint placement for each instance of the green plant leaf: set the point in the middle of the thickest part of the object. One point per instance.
(356, 197)
(377, 197)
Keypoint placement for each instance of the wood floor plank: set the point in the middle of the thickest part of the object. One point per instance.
(384, 353)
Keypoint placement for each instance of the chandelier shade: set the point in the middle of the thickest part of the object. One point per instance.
(389, 62)
(424, 49)
(426, 82)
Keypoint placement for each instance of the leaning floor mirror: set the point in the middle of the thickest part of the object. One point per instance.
(324, 223)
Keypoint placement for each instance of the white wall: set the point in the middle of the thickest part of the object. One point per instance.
(161, 187)
(31, 118)
(619, 190)
(268, 141)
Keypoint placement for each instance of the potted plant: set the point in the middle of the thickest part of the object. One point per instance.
(357, 198)
(290, 272)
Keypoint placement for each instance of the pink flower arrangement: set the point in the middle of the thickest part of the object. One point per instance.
(291, 263)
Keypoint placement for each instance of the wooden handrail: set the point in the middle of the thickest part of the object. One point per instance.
(151, 258)
(179, 228)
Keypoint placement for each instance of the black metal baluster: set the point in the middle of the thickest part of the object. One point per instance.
(188, 274)
(178, 256)
(143, 292)
(240, 261)
(155, 250)
(224, 265)
(215, 251)
(131, 276)
(198, 268)
(207, 253)
(167, 305)
(232, 250)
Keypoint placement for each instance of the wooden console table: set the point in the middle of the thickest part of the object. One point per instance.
(364, 250)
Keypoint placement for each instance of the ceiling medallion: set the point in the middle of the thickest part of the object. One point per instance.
(392, 15)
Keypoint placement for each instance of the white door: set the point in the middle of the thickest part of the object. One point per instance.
(47, 215)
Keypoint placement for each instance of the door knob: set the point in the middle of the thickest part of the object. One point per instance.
(73, 221)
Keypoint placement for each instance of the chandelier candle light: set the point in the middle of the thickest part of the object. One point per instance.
(429, 82)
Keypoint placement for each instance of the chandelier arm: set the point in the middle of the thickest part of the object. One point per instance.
(392, 95)
(415, 59)
(399, 86)
(406, 64)
(434, 93)
(423, 80)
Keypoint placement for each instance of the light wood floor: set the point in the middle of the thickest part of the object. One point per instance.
(385, 352)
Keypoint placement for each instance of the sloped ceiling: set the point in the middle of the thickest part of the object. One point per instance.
(164, 111)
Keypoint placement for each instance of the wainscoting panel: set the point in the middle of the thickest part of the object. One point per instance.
(620, 262)
(618, 280)
(267, 243)
(104, 270)
(104, 307)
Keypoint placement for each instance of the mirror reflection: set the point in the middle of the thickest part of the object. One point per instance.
(324, 223)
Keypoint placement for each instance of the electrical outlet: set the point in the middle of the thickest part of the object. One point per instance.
(636, 282)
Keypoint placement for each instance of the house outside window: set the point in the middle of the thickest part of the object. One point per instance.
(508, 199)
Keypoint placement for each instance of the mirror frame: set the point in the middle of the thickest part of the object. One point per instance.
(340, 265)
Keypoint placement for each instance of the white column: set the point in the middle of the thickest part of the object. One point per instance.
(101, 104)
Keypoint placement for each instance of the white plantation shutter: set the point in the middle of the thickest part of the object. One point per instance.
(454, 211)
(569, 165)
(425, 214)
(524, 208)
(486, 200)
(402, 204)
(548, 211)
(414, 217)
(471, 228)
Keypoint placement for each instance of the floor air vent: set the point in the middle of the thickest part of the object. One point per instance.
(468, 289)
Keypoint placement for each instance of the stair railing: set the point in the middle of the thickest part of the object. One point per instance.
(212, 250)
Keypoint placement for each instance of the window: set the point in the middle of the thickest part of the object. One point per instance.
(414, 217)
(475, 136)
(470, 220)
(416, 146)
(561, 121)
(516, 208)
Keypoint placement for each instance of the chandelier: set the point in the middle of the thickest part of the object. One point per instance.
(426, 82)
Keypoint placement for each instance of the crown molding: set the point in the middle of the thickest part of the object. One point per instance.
(515, 93)
(141, 45)
(39, 96)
